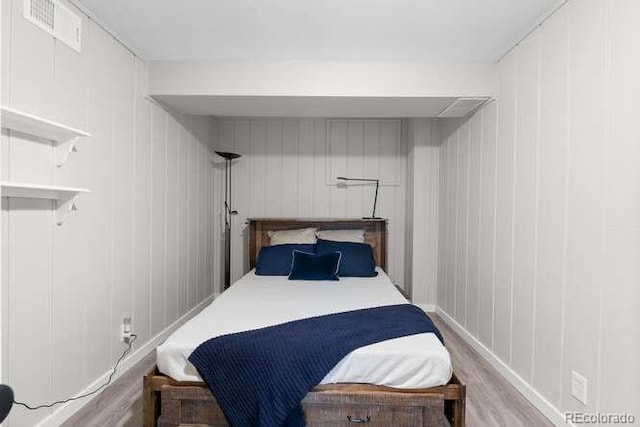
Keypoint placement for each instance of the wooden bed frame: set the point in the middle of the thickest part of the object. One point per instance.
(182, 403)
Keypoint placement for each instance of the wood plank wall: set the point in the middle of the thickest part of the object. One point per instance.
(540, 209)
(289, 166)
(142, 243)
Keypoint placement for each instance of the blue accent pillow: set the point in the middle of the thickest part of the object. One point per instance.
(276, 260)
(314, 267)
(357, 258)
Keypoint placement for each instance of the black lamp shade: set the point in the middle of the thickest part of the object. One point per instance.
(227, 155)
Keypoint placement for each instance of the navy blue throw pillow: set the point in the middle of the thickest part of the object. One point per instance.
(315, 267)
(276, 260)
(357, 258)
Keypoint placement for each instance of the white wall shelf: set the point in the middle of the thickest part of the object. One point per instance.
(65, 197)
(65, 137)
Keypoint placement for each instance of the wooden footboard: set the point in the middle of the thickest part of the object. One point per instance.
(191, 403)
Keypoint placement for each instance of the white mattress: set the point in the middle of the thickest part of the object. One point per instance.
(416, 361)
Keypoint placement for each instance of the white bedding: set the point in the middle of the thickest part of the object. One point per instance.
(416, 361)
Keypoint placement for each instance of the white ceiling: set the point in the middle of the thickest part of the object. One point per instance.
(331, 30)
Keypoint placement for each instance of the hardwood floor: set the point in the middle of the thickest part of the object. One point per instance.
(120, 404)
(491, 400)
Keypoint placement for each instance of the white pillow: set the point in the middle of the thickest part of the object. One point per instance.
(299, 236)
(356, 236)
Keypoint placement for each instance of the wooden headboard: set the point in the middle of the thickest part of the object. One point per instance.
(375, 233)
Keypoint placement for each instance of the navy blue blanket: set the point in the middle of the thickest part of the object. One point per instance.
(259, 377)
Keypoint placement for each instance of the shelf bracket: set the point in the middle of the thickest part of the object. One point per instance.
(64, 149)
(64, 208)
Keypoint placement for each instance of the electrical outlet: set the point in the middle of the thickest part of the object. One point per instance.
(579, 387)
(125, 330)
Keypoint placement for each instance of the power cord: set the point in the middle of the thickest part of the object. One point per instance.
(49, 405)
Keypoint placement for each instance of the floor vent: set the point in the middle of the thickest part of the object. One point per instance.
(461, 107)
(57, 20)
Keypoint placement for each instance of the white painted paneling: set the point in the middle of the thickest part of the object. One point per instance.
(585, 197)
(462, 192)
(525, 207)
(322, 193)
(275, 186)
(172, 294)
(473, 223)
(443, 205)
(257, 152)
(290, 165)
(142, 212)
(270, 180)
(559, 230)
(486, 267)
(336, 165)
(24, 349)
(452, 223)
(551, 206)
(306, 168)
(66, 288)
(622, 213)
(97, 331)
(158, 218)
(121, 175)
(69, 244)
(421, 253)
(506, 151)
(410, 131)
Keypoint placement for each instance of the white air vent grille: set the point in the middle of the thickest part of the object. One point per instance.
(56, 19)
(43, 12)
(462, 107)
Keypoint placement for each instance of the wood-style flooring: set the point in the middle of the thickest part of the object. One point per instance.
(491, 400)
(120, 404)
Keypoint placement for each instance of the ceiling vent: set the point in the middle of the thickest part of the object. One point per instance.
(57, 20)
(461, 107)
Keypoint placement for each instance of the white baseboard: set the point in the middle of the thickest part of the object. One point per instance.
(427, 308)
(532, 395)
(65, 411)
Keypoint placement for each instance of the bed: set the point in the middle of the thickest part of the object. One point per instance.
(410, 393)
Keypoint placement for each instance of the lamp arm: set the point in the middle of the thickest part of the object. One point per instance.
(375, 198)
(342, 178)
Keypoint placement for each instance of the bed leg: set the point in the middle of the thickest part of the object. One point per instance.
(149, 402)
(459, 408)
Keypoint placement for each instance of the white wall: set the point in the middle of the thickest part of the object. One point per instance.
(421, 255)
(289, 166)
(540, 209)
(141, 243)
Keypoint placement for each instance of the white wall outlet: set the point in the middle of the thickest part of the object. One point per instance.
(125, 330)
(579, 387)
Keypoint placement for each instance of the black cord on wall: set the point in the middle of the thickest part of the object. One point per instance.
(58, 402)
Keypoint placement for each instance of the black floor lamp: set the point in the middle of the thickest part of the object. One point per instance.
(228, 212)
